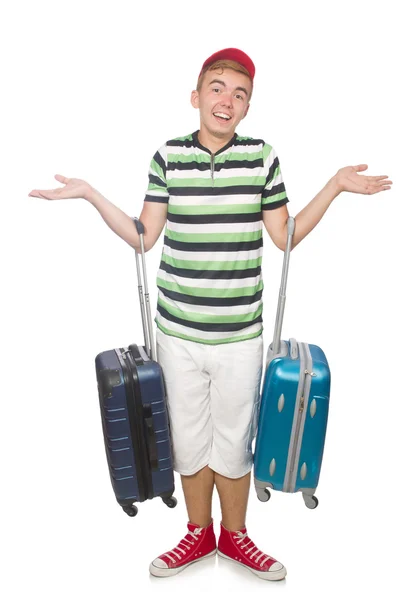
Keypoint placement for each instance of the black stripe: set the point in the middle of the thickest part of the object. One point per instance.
(184, 143)
(160, 161)
(213, 246)
(274, 166)
(205, 301)
(277, 189)
(210, 274)
(249, 142)
(155, 180)
(208, 326)
(204, 166)
(235, 141)
(194, 164)
(237, 164)
(205, 219)
(162, 199)
(215, 191)
(273, 205)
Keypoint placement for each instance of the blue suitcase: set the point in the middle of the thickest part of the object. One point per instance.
(134, 415)
(293, 411)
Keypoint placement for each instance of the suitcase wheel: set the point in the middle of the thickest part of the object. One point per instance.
(170, 502)
(130, 510)
(263, 495)
(310, 501)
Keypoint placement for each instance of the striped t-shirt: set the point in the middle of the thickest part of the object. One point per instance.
(210, 280)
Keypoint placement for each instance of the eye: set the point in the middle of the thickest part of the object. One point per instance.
(239, 96)
(215, 89)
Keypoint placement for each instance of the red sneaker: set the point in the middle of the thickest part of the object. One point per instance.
(238, 547)
(197, 544)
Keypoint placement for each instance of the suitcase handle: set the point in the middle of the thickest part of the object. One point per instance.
(143, 293)
(151, 438)
(136, 355)
(293, 345)
(281, 300)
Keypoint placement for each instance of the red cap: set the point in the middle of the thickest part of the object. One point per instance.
(231, 54)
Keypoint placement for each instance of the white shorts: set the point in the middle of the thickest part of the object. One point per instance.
(213, 402)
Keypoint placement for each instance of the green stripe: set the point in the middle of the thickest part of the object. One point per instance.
(212, 265)
(183, 138)
(205, 318)
(247, 236)
(274, 198)
(239, 338)
(266, 151)
(186, 158)
(214, 209)
(157, 169)
(210, 292)
(206, 158)
(218, 182)
(239, 156)
(157, 188)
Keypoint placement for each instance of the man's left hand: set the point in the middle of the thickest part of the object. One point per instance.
(348, 180)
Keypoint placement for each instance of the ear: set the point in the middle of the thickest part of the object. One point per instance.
(194, 99)
(246, 110)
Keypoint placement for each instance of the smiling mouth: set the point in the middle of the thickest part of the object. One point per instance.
(222, 116)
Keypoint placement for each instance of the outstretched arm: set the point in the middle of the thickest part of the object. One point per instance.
(153, 215)
(345, 180)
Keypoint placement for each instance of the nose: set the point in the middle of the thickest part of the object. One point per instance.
(227, 99)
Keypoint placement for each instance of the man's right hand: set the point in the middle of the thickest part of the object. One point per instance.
(74, 188)
(153, 215)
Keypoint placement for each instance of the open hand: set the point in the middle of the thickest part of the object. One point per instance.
(348, 180)
(74, 188)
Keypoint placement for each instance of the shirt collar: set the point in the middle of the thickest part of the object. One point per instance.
(198, 145)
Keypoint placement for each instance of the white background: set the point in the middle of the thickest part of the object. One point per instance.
(91, 90)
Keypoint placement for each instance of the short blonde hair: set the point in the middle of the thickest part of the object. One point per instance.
(224, 64)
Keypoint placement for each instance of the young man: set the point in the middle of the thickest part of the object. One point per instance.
(214, 190)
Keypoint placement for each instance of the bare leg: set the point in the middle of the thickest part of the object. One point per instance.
(233, 494)
(198, 490)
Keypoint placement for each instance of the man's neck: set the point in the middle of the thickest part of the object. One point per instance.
(211, 141)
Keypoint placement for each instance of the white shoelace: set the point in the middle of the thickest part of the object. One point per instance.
(185, 541)
(240, 537)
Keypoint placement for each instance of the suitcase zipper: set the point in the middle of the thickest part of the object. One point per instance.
(290, 487)
(135, 360)
(134, 419)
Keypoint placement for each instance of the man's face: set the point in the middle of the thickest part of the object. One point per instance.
(222, 101)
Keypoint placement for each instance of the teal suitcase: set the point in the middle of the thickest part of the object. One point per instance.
(293, 412)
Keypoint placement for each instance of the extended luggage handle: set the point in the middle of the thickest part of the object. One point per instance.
(143, 293)
(281, 299)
